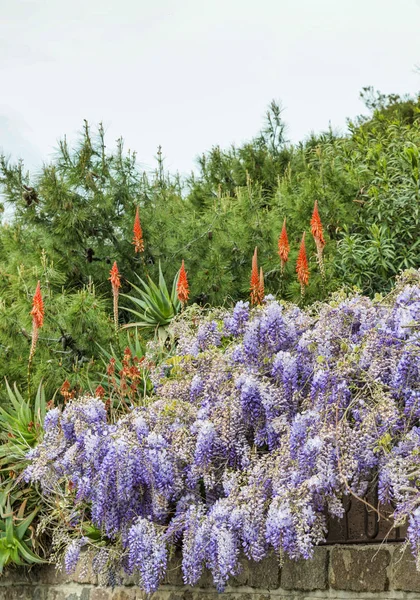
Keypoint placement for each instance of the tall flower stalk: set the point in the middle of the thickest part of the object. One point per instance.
(318, 234)
(182, 287)
(37, 313)
(302, 268)
(255, 279)
(116, 284)
(261, 286)
(283, 246)
(138, 233)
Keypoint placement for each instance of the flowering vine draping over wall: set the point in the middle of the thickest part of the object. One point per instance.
(268, 417)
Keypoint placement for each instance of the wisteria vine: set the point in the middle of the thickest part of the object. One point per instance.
(267, 418)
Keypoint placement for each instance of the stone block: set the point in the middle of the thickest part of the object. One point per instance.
(124, 594)
(39, 593)
(242, 577)
(51, 575)
(21, 592)
(101, 594)
(56, 594)
(175, 595)
(265, 574)
(21, 575)
(359, 569)
(84, 570)
(206, 579)
(190, 594)
(404, 573)
(122, 579)
(68, 594)
(173, 574)
(306, 574)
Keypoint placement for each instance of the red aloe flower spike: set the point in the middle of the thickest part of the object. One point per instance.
(115, 276)
(255, 279)
(284, 247)
(302, 268)
(182, 287)
(116, 284)
(37, 313)
(261, 287)
(100, 391)
(317, 232)
(138, 233)
(316, 225)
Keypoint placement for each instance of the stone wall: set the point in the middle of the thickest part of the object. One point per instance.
(335, 572)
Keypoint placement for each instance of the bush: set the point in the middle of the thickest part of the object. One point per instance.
(75, 218)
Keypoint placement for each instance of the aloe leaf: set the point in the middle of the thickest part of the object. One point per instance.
(162, 282)
(40, 404)
(9, 530)
(23, 526)
(143, 325)
(12, 397)
(4, 558)
(27, 554)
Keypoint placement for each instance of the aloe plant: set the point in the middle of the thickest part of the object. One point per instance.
(132, 358)
(15, 534)
(21, 428)
(155, 306)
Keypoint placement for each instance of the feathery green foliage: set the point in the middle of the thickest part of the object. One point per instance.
(74, 218)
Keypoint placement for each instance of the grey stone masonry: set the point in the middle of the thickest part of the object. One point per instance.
(352, 572)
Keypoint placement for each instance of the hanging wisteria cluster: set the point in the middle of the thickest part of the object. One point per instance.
(265, 420)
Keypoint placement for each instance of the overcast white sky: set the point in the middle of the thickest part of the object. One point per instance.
(189, 74)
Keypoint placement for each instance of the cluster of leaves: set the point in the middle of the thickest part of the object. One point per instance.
(156, 307)
(21, 428)
(263, 421)
(76, 319)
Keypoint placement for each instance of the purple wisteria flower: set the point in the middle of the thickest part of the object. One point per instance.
(270, 417)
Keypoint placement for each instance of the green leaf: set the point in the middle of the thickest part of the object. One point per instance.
(21, 529)
(27, 554)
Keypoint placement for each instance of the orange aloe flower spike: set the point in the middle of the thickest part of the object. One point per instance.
(255, 279)
(261, 286)
(115, 276)
(316, 226)
(302, 268)
(182, 287)
(284, 243)
(37, 311)
(138, 233)
(116, 284)
(283, 246)
(317, 232)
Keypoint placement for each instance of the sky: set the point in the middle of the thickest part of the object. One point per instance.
(191, 74)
